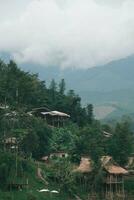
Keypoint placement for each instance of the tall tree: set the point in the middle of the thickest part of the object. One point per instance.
(89, 110)
(53, 89)
(121, 143)
(62, 87)
(91, 142)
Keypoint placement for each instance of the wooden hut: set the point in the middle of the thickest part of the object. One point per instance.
(114, 178)
(53, 118)
(85, 165)
(84, 170)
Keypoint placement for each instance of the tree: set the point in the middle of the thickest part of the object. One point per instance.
(30, 143)
(63, 174)
(90, 142)
(53, 88)
(62, 87)
(62, 139)
(121, 143)
(89, 110)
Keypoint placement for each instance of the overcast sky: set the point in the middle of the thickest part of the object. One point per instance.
(67, 33)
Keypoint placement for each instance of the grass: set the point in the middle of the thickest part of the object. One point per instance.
(35, 184)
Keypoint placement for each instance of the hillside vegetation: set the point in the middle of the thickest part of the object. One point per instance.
(20, 92)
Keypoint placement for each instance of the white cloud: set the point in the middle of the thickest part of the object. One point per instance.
(69, 33)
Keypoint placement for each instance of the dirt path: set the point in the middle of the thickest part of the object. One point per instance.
(40, 176)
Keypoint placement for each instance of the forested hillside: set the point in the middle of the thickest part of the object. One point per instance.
(22, 90)
(26, 139)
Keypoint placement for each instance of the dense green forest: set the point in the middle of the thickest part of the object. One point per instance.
(20, 92)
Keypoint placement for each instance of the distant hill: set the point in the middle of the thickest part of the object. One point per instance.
(110, 85)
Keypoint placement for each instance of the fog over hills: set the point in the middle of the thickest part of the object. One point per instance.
(109, 87)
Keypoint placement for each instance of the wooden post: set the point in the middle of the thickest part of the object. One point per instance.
(116, 185)
(16, 164)
(27, 182)
(123, 188)
(106, 187)
(4, 141)
(111, 194)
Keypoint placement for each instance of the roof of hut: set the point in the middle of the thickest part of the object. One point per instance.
(41, 109)
(85, 165)
(55, 113)
(38, 110)
(111, 167)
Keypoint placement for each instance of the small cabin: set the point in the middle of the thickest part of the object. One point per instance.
(85, 165)
(114, 178)
(55, 118)
(52, 118)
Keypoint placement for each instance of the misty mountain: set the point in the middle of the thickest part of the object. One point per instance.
(108, 85)
(117, 75)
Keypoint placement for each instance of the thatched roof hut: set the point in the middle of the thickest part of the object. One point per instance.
(85, 165)
(112, 167)
(107, 163)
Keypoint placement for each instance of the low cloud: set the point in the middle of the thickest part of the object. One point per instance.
(69, 33)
